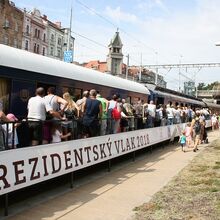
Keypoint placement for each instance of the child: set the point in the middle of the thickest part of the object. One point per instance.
(10, 131)
(57, 134)
(182, 141)
(188, 133)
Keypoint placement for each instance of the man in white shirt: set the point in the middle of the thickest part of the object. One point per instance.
(37, 108)
(36, 115)
(170, 115)
(152, 114)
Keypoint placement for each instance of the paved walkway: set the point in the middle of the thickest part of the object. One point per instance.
(114, 195)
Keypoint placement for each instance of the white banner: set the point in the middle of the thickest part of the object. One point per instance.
(27, 166)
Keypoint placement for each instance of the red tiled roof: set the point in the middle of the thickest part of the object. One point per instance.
(97, 65)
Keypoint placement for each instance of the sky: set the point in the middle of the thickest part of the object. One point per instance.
(152, 32)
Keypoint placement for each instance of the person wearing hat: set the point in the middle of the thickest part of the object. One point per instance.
(11, 131)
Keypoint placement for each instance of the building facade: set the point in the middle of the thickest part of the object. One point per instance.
(11, 24)
(34, 33)
(59, 39)
(96, 65)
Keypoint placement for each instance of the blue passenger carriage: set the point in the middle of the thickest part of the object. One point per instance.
(21, 72)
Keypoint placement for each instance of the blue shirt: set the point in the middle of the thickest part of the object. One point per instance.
(90, 116)
(182, 139)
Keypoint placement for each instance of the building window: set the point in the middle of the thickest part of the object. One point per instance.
(44, 37)
(27, 29)
(35, 33)
(15, 43)
(43, 51)
(16, 26)
(26, 45)
(51, 51)
(59, 41)
(38, 48)
(59, 53)
(6, 23)
(35, 48)
(6, 40)
(52, 38)
(38, 34)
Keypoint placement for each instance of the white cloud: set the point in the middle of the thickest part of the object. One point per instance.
(118, 15)
(150, 5)
(191, 35)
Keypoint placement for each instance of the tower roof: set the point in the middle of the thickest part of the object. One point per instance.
(116, 41)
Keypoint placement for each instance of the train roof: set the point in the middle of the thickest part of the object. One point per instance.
(211, 104)
(21, 59)
(164, 92)
(179, 98)
(154, 88)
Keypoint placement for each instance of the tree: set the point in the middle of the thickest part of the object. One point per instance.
(201, 86)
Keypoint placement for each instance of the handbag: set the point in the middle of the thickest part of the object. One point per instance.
(70, 114)
(115, 113)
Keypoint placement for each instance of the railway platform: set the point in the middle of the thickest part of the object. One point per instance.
(114, 195)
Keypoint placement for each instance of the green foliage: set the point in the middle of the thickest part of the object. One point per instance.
(203, 86)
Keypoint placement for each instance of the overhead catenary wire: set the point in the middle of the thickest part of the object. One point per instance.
(95, 42)
(114, 25)
(121, 29)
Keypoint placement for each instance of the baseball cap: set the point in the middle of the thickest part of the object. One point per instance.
(11, 117)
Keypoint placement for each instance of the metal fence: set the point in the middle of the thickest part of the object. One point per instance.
(18, 134)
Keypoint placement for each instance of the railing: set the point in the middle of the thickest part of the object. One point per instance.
(17, 134)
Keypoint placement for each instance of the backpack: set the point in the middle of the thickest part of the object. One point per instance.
(197, 126)
(115, 113)
(70, 114)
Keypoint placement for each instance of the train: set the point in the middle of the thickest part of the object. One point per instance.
(21, 72)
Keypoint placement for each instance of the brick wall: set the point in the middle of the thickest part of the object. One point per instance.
(11, 24)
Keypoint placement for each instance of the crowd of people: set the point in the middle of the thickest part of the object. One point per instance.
(52, 119)
(194, 133)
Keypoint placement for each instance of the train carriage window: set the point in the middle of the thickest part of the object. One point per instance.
(128, 99)
(75, 93)
(5, 85)
(20, 93)
(45, 86)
